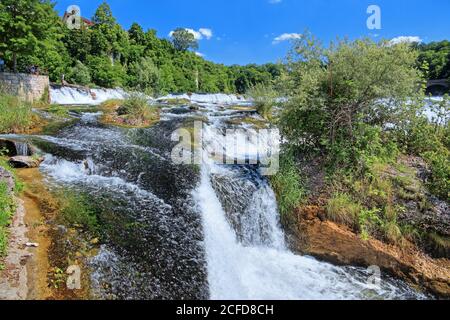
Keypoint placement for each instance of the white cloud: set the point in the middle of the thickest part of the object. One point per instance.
(286, 37)
(202, 33)
(405, 39)
(207, 33)
(275, 1)
(200, 54)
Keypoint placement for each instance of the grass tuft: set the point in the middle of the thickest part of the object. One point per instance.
(342, 209)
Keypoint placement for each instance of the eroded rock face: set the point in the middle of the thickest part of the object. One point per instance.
(25, 162)
(6, 176)
(339, 245)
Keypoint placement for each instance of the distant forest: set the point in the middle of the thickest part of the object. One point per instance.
(102, 53)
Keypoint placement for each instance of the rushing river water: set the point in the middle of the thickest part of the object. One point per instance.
(184, 231)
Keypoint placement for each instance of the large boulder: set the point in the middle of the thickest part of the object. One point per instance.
(25, 162)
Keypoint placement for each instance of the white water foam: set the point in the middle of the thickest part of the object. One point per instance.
(86, 172)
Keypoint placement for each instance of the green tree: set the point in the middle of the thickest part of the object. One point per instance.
(137, 34)
(78, 43)
(79, 74)
(25, 27)
(108, 38)
(334, 93)
(105, 74)
(183, 40)
(437, 56)
(144, 76)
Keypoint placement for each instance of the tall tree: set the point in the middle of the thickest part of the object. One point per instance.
(334, 92)
(108, 37)
(183, 40)
(24, 26)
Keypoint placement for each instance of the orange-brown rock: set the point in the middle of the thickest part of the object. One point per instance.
(340, 245)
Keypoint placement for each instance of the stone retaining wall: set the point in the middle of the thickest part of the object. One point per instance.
(27, 86)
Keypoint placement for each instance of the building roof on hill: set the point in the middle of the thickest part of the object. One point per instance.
(85, 21)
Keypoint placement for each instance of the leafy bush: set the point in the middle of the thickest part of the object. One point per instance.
(264, 99)
(137, 106)
(15, 114)
(287, 186)
(79, 74)
(335, 93)
(104, 73)
(144, 76)
(439, 163)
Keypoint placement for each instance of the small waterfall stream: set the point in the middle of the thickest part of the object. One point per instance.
(22, 148)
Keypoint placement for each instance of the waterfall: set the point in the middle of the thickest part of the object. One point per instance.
(246, 254)
(216, 98)
(75, 96)
(22, 148)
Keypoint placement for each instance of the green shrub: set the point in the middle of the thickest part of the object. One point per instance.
(369, 222)
(392, 232)
(79, 74)
(104, 73)
(137, 106)
(144, 76)
(439, 163)
(287, 186)
(264, 98)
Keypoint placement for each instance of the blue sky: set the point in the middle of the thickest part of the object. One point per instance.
(244, 31)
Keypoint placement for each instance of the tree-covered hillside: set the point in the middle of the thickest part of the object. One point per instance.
(437, 56)
(106, 55)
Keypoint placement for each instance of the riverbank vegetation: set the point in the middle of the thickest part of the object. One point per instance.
(7, 209)
(354, 108)
(15, 115)
(436, 56)
(7, 203)
(134, 111)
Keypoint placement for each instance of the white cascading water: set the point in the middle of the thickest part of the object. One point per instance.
(74, 96)
(266, 270)
(216, 98)
(22, 148)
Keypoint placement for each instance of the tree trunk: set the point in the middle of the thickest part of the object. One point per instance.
(14, 62)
